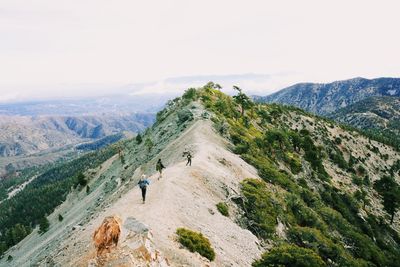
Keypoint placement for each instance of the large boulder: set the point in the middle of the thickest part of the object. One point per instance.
(135, 248)
(107, 235)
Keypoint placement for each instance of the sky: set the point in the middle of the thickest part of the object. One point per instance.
(65, 48)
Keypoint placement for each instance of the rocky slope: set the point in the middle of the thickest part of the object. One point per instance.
(293, 183)
(377, 115)
(326, 98)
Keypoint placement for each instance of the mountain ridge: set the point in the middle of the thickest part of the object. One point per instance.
(294, 184)
(324, 98)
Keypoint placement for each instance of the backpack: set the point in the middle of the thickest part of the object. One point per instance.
(143, 184)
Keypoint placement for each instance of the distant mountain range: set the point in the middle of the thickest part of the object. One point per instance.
(370, 105)
(23, 135)
(32, 133)
(114, 104)
(323, 99)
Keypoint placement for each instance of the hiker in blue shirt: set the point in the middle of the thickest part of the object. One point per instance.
(143, 183)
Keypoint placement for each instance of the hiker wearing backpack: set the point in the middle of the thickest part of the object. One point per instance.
(188, 156)
(189, 159)
(159, 167)
(143, 183)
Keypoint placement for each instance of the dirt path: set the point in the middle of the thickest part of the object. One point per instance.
(186, 197)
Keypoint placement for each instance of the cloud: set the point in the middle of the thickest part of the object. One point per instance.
(46, 43)
(250, 82)
(9, 97)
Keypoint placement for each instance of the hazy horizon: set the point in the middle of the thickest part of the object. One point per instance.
(61, 49)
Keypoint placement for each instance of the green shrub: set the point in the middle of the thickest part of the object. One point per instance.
(184, 115)
(294, 162)
(363, 247)
(290, 256)
(357, 180)
(190, 94)
(313, 239)
(343, 203)
(313, 155)
(338, 140)
(304, 132)
(223, 209)
(310, 198)
(259, 207)
(304, 215)
(241, 148)
(338, 159)
(196, 242)
(149, 144)
(276, 139)
(358, 244)
(361, 170)
(270, 173)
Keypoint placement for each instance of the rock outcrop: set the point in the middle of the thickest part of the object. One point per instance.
(136, 247)
(107, 235)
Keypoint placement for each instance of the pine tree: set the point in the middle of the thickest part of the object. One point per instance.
(138, 138)
(3, 248)
(242, 99)
(149, 144)
(43, 225)
(81, 179)
(390, 192)
(60, 217)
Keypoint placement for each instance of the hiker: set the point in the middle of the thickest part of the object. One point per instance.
(159, 167)
(189, 159)
(143, 183)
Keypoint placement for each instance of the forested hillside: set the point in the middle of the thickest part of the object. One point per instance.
(21, 213)
(328, 196)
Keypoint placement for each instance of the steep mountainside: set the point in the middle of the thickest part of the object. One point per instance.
(378, 115)
(269, 186)
(325, 98)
